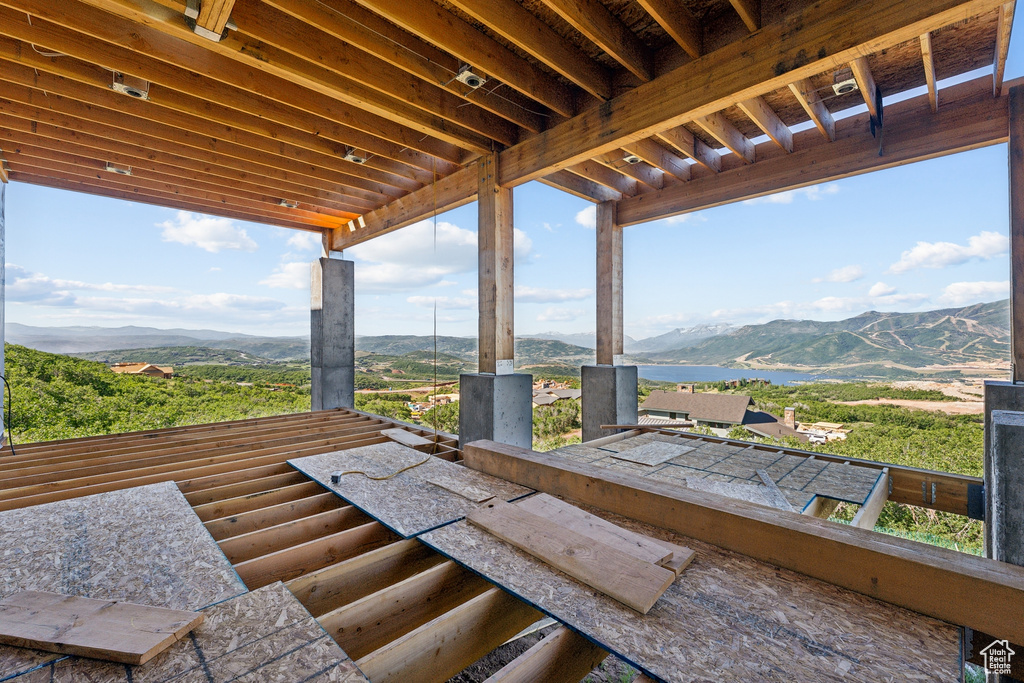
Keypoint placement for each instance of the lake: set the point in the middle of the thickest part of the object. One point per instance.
(714, 373)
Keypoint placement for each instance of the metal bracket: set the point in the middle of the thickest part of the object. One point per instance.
(976, 501)
(192, 15)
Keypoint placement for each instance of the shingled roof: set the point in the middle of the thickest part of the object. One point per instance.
(704, 407)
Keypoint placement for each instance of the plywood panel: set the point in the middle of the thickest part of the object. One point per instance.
(408, 503)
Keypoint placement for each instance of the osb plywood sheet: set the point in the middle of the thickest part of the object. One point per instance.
(143, 545)
(727, 618)
(799, 478)
(266, 636)
(653, 453)
(407, 503)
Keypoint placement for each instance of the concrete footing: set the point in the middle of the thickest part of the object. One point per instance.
(496, 407)
(332, 334)
(609, 396)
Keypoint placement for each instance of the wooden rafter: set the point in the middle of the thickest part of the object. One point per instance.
(658, 156)
(1003, 27)
(603, 175)
(749, 11)
(866, 83)
(928, 58)
(684, 141)
(456, 36)
(810, 100)
(515, 24)
(607, 31)
(969, 118)
(719, 127)
(678, 22)
(581, 187)
(214, 15)
(768, 121)
(648, 176)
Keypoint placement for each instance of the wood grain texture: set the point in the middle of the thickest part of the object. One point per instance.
(631, 581)
(101, 629)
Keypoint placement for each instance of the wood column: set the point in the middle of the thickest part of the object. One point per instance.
(609, 285)
(495, 244)
(1016, 158)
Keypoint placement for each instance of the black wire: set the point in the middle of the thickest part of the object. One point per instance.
(10, 402)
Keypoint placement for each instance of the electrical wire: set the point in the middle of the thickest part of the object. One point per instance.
(338, 475)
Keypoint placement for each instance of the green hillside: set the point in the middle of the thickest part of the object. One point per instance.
(975, 334)
(176, 356)
(59, 397)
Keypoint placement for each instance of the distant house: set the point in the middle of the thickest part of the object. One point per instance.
(546, 397)
(718, 412)
(147, 369)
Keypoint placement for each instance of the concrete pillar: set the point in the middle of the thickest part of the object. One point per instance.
(609, 396)
(496, 407)
(332, 333)
(1004, 485)
(495, 403)
(3, 297)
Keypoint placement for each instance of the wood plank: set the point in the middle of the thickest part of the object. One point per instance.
(214, 15)
(264, 518)
(722, 130)
(678, 22)
(680, 560)
(446, 645)
(326, 589)
(571, 517)
(256, 501)
(866, 83)
(102, 629)
(459, 487)
(774, 494)
(496, 278)
(375, 620)
(609, 291)
(562, 656)
(265, 541)
(913, 575)
(768, 121)
(928, 59)
(520, 27)
(868, 513)
(633, 582)
(749, 11)
(810, 100)
(406, 437)
(1003, 27)
(608, 32)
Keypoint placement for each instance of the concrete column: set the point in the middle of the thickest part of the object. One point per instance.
(332, 333)
(609, 390)
(496, 407)
(1005, 488)
(609, 396)
(3, 298)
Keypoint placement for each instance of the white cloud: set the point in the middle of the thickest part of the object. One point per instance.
(588, 217)
(560, 315)
(537, 295)
(292, 275)
(24, 286)
(407, 260)
(963, 293)
(844, 274)
(881, 289)
(206, 232)
(829, 306)
(443, 302)
(813, 193)
(214, 269)
(305, 241)
(685, 218)
(983, 246)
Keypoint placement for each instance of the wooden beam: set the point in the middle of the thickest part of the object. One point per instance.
(768, 121)
(719, 128)
(749, 11)
(447, 193)
(658, 156)
(683, 140)
(1004, 25)
(1016, 158)
(214, 15)
(604, 29)
(563, 656)
(444, 646)
(4, 176)
(453, 34)
(194, 53)
(944, 584)
(927, 57)
(810, 100)
(609, 177)
(265, 541)
(645, 173)
(609, 285)
(866, 84)
(496, 279)
(271, 516)
(678, 22)
(822, 36)
(581, 187)
(868, 514)
(520, 27)
(913, 133)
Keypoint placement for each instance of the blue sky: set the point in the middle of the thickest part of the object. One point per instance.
(928, 235)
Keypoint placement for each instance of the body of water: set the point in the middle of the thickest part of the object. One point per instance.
(714, 373)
